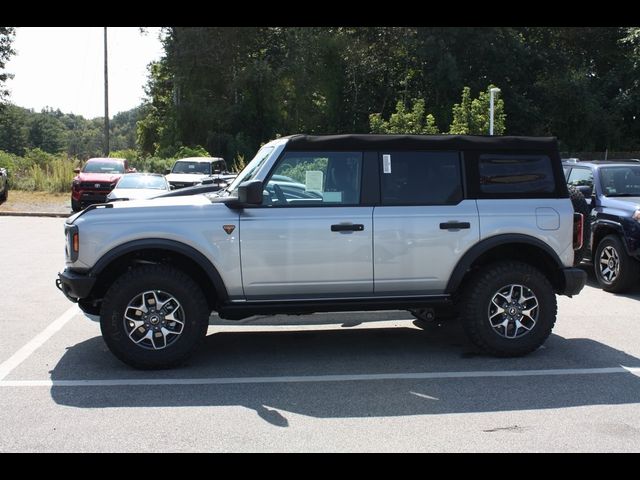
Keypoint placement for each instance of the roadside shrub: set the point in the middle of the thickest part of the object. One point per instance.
(128, 153)
(186, 152)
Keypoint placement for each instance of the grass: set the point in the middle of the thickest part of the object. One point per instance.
(23, 201)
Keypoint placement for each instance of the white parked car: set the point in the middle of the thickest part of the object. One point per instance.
(188, 172)
(138, 186)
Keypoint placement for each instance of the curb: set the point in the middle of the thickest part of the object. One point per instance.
(34, 214)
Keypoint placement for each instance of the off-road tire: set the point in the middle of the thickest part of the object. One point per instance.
(477, 294)
(580, 205)
(154, 278)
(629, 267)
(75, 206)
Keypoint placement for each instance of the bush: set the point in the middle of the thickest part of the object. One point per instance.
(128, 153)
(186, 152)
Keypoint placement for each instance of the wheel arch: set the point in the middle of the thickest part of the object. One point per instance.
(520, 247)
(181, 256)
(600, 229)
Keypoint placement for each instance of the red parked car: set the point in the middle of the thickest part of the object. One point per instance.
(96, 179)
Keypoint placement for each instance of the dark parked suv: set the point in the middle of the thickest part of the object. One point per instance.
(612, 191)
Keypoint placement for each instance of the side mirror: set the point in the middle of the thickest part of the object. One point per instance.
(250, 193)
(76, 170)
(167, 171)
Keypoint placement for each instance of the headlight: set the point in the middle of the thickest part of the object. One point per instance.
(636, 215)
(76, 183)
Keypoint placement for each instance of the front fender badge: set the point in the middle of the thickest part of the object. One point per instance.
(229, 229)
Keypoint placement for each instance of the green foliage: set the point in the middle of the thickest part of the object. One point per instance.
(7, 36)
(298, 170)
(471, 116)
(39, 171)
(413, 122)
(127, 153)
(152, 164)
(186, 152)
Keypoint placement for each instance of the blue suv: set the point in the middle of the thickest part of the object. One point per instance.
(612, 191)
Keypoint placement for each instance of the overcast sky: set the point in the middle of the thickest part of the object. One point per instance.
(62, 67)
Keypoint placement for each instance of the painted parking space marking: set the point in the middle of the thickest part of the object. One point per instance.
(25, 352)
(315, 378)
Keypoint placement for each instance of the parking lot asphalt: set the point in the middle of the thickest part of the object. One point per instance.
(358, 381)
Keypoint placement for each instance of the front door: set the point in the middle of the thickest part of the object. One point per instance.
(310, 238)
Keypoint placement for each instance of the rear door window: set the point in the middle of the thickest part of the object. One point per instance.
(421, 178)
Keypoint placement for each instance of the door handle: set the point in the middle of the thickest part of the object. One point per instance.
(454, 225)
(343, 227)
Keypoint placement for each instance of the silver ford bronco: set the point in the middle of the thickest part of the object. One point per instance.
(479, 226)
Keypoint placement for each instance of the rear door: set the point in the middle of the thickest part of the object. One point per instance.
(423, 225)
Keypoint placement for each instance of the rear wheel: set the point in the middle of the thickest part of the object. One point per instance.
(615, 270)
(153, 317)
(508, 308)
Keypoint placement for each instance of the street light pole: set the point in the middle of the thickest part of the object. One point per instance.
(491, 93)
(106, 98)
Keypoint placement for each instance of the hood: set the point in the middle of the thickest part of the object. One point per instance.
(135, 193)
(98, 177)
(630, 204)
(190, 201)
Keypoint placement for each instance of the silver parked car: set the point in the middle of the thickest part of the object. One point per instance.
(480, 225)
(138, 186)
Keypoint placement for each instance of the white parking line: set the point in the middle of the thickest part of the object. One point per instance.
(21, 355)
(314, 378)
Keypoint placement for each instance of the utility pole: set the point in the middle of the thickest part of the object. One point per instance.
(106, 98)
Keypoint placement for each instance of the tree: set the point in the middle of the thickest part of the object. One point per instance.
(13, 129)
(46, 132)
(413, 122)
(7, 35)
(471, 116)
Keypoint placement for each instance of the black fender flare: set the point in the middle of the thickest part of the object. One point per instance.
(170, 245)
(601, 222)
(489, 243)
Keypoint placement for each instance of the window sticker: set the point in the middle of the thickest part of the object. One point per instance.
(313, 180)
(386, 163)
(333, 197)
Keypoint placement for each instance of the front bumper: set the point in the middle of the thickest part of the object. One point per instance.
(574, 280)
(75, 285)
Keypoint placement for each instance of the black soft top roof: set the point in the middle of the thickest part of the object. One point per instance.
(419, 142)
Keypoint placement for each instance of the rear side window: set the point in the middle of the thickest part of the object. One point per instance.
(421, 178)
(513, 174)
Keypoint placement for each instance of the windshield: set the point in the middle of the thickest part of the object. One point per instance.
(251, 169)
(103, 167)
(192, 167)
(143, 181)
(622, 181)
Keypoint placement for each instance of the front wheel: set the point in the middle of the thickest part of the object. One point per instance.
(153, 317)
(615, 270)
(508, 308)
